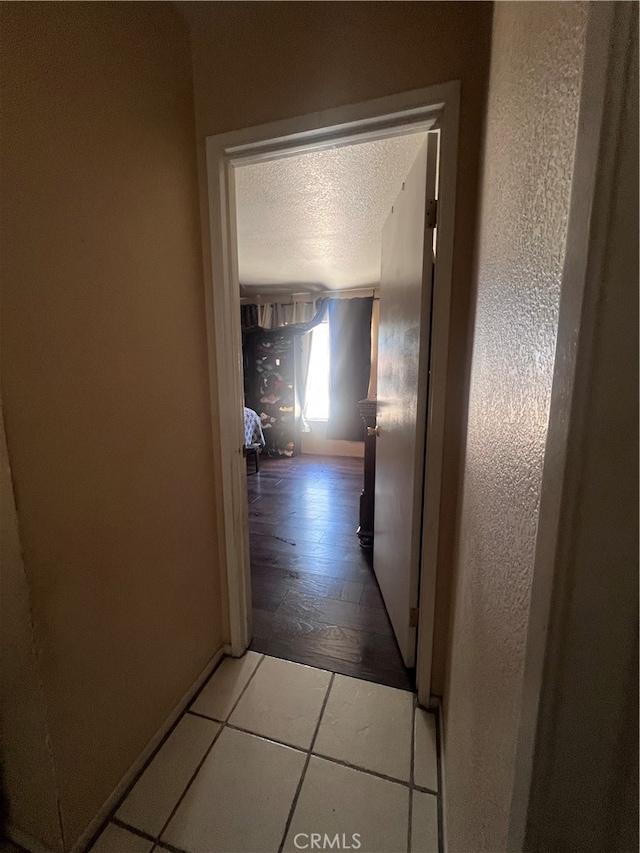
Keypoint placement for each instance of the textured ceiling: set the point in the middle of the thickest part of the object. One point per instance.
(315, 220)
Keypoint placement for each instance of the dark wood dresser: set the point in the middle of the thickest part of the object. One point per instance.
(367, 409)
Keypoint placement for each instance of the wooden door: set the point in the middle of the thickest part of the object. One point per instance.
(403, 369)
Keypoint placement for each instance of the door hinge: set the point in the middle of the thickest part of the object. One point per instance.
(414, 613)
(431, 213)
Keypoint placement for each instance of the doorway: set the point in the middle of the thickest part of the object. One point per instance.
(409, 113)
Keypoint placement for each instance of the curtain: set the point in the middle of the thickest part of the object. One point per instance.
(271, 324)
(275, 315)
(350, 365)
(248, 316)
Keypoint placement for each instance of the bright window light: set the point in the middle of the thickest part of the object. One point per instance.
(317, 407)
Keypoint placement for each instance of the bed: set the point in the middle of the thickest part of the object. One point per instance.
(253, 436)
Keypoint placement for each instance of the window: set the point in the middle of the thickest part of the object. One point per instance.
(317, 407)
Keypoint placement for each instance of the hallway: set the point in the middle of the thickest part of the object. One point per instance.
(315, 597)
(271, 752)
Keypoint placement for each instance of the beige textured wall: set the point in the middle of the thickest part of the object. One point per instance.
(259, 62)
(27, 783)
(104, 376)
(585, 770)
(534, 84)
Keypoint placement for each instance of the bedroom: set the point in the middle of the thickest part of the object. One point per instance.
(309, 239)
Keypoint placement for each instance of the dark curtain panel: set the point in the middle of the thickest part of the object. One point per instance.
(350, 365)
(248, 316)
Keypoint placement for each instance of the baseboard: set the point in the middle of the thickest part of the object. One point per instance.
(139, 764)
(442, 783)
(23, 839)
(227, 649)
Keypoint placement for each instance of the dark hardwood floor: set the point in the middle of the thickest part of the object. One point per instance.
(315, 596)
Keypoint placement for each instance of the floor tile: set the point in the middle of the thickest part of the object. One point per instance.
(283, 702)
(425, 764)
(337, 800)
(240, 799)
(368, 725)
(424, 823)
(149, 804)
(221, 692)
(114, 839)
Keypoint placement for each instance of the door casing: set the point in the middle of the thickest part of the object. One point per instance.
(407, 112)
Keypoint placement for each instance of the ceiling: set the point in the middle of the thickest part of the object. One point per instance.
(314, 221)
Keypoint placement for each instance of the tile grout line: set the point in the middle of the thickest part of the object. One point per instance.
(375, 773)
(439, 809)
(221, 723)
(131, 828)
(294, 803)
(411, 786)
(164, 845)
(204, 716)
(423, 790)
(328, 758)
(322, 710)
(188, 785)
(240, 695)
(414, 787)
(235, 728)
(205, 756)
(112, 815)
(412, 771)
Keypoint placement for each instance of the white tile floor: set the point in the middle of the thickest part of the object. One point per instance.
(273, 756)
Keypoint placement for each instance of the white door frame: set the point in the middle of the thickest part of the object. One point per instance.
(376, 119)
